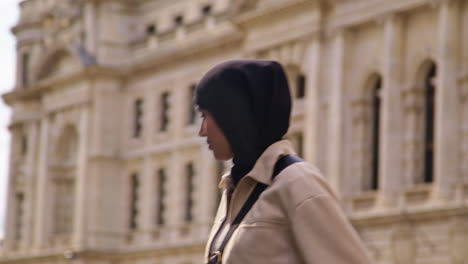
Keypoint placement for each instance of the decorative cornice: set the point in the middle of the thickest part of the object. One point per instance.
(222, 36)
(266, 13)
(370, 11)
(390, 216)
(60, 255)
(25, 25)
(36, 90)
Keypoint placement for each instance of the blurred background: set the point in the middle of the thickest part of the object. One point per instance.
(100, 159)
(8, 19)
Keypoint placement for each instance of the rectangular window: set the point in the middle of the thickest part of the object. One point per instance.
(164, 111)
(192, 111)
(24, 145)
(188, 216)
(64, 204)
(178, 20)
(134, 184)
(300, 86)
(161, 182)
(19, 215)
(25, 69)
(138, 118)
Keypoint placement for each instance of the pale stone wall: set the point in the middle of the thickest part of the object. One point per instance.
(91, 61)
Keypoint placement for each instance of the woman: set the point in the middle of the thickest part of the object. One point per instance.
(246, 105)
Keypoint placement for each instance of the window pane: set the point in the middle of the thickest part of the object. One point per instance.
(430, 90)
(376, 105)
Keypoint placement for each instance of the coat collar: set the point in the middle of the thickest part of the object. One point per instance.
(263, 169)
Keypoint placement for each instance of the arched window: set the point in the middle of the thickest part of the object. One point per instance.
(366, 112)
(429, 124)
(420, 127)
(63, 171)
(67, 146)
(375, 148)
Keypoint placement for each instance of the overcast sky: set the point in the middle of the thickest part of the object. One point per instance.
(8, 18)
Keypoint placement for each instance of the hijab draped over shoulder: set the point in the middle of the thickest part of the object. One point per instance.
(251, 103)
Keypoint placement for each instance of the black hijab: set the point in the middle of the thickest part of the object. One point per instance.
(250, 102)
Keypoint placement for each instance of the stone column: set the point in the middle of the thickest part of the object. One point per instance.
(31, 181)
(10, 217)
(312, 107)
(81, 186)
(390, 171)
(91, 26)
(336, 142)
(464, 123)
(41, 230)
(446, 156)
(207, 188)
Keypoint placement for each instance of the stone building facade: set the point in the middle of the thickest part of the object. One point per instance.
(106, 165)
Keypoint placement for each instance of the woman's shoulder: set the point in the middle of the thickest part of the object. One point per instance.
(301, 181)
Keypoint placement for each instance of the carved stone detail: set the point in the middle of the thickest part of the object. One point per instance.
(404, 245)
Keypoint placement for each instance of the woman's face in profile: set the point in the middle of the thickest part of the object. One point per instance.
(215, 138)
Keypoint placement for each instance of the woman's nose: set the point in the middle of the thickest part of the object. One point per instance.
(202, 132)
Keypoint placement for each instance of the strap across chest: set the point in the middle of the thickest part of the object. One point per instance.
(281, 164)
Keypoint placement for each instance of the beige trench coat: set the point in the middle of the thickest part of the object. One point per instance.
(297, 219)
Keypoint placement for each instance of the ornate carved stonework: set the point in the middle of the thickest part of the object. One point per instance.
(58, 20)
(459, 241)
(404, 244)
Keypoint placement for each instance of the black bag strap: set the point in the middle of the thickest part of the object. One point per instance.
(280, 165)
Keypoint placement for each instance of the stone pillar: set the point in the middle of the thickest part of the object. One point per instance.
(463, 86)
(446, 156)
(91, 26)
(10, 219)
(335, 142)
(207, 188)
(41, 227)
(81, 186)
(312, 107)
(30, 176)
(390, 171)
